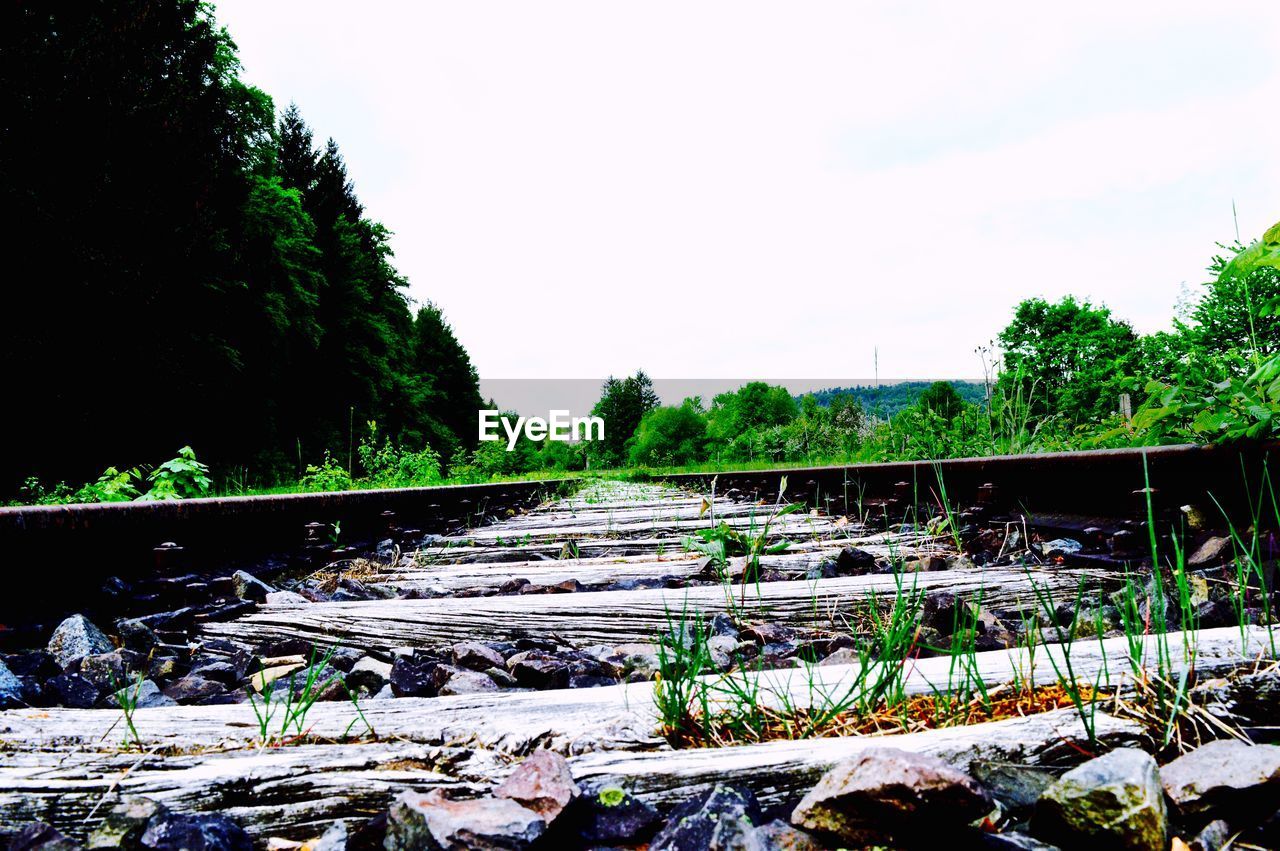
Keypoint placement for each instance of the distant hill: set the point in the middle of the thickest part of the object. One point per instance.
(888, 399)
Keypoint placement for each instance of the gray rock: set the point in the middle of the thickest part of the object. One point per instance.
(1014, 842)
(843, 656)
(723, 648)
(145, 694)
(384, 693)
(150, 696)
(124, 824)
(722, 624)
(345, 658)
(852, 561)
(768, 633)
(539, 669)
(501, 678)
(885, 794)
(1212, 551)
(419, 821)
(476, 656)
(108, 671)
(542, 783)
(333, 839)
(1226, 775)
(1112, 802)
(75, 690)
(777, 835)
(1060, 547)
(1015, 786)
(38, 836)
(326, 682)
(136, 635)
(249, 587)
(370, 674)
(721, 819)
(10, 688)
(203, 832)
(467, 682)
(75, 638)
(1214, 837)
(641, 659)
(414, 678)
(285, 598)
(163, 667)
(612, 816)
(219, 670)
(193, 688)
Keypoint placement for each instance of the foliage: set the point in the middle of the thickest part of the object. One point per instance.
(182, 477)
(669, 436)
(942, 398)
(623, 404)
(1071, 353)
(387, 466)
(328, 476)
(1238, 395)
(743, 424)
(722, 541)
(884, 401)
(112, 486)
(200, 258)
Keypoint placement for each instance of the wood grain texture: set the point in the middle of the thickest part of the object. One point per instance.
(615, 617)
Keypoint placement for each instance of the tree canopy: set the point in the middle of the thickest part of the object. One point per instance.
(1065, 356)
(211, 277)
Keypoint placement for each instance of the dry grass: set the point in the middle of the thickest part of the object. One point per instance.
(359, 569)
(922, 712)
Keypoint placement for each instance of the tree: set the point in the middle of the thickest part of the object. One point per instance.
(446, 389)
(671, 436)
(1066, 358)
(739, 423)
(124, 170)
(1229, 316)
(942, 398)
(182, 270)
(296, 159)
(623, 404)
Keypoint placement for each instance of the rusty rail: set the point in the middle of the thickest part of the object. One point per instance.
(1109, 483)
(64, 558)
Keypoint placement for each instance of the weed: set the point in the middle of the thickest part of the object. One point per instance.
(127, 697)
(297, 702)
(721, 542)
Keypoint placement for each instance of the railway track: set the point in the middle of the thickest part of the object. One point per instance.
(501, 627)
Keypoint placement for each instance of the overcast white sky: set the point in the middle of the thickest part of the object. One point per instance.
(773, 190)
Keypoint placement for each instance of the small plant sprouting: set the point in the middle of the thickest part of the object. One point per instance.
(297, 702)
(721, 542)
(127, 697)
(1065, 671)
(355, 703)
(264, 711)
(949, 525)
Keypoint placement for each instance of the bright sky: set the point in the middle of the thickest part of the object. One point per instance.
(774, 190)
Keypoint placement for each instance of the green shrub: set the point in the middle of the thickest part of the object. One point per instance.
(112, 486)
(387, 466)
(182, 477)
(329, 476)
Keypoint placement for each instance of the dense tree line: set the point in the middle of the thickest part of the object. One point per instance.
(889, 400)
(184, 269)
